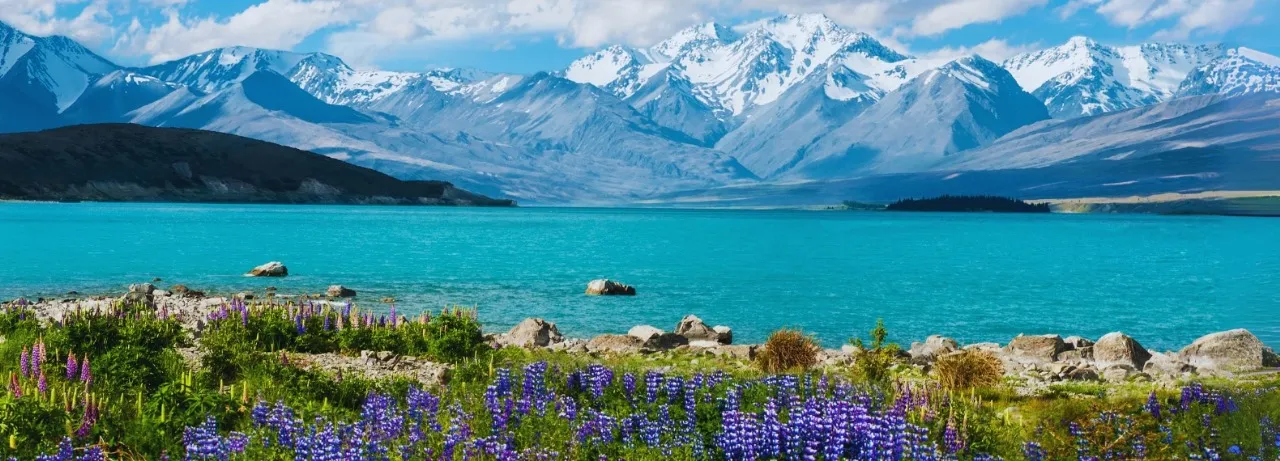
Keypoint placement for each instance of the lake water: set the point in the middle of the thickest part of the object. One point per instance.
(977, 277)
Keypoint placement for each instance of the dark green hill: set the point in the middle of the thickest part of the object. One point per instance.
(124, 162)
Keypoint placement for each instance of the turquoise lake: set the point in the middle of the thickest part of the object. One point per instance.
(976, 277)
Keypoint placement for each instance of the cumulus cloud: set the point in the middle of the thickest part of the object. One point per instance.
(955, 14)
(1187, 16)
(278, 24)
(996, 50)
(91, 24)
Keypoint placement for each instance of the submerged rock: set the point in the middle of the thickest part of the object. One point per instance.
(271, 269)
(339, 291)
(606, 287)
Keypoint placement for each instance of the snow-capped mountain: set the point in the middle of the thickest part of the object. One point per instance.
(1240, 71)
(795, 98)
(42, 76)
(110, 98)
(1083, 77)
(964, 104)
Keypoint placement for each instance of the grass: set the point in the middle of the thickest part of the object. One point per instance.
(244, 402)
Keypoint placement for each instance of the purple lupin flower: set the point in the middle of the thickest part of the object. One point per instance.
(72, 367)
(86, 373)
(41, 383)
(24, 363)
(14, 387)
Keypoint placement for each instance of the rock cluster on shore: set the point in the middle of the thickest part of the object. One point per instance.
(1037, 359)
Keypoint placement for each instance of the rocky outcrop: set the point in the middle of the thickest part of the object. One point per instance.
(532, 332)
(933, 347)
(1167, 366)
(644, 332)
(695, 329)
(271, 269)
(1119, 349)
(606, 287)
(1228, 352)
(1044, 348)
(615, 344)
(339, 291)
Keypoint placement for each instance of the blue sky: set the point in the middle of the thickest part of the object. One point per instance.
(532, 35)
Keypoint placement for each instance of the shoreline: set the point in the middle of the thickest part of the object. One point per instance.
(1037, 359)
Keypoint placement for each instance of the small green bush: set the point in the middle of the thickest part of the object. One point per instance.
(788, 350)
(874, 362)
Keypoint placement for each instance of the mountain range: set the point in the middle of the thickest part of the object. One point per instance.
(793, 99)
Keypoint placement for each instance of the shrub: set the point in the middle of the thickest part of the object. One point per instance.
(874, 362)
(788, 350)
(968, 369)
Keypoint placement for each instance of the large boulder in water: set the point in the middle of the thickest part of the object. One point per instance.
(1119, 349)
(606, 287)
(142, 288)
(1043, 348)
(532, 332)
(271, 269)
(1228, 351)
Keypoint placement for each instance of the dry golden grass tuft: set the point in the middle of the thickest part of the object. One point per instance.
(968, 369)
(788, 350)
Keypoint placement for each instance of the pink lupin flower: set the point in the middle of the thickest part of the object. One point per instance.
(14, 387)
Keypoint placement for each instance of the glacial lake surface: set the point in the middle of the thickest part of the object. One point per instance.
(977, 277)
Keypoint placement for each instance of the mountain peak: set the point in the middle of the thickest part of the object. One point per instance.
(693, 36)
(1080, 41)
(1255, 55)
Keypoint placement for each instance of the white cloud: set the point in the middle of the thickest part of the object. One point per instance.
(955, 14)
(996, 50)
(1188, 16)
(271, 24)
(91, 25)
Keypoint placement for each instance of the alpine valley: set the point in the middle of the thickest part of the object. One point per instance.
(792, 110)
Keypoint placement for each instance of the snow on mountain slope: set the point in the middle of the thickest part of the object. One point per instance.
(1235, 125)
(1084, 77)
(668, 100)
(48, 67)
(560, 119)
(964, 104)
(771, 138)
(220, 68)
(332, 81)
(1241, 71)
(13, 45)
(112, 97)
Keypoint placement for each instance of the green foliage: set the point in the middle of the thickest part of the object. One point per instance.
(788, 350)
(874, 362)
(451, 337)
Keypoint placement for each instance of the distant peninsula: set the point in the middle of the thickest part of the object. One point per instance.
(135, 163)
(969, 203)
